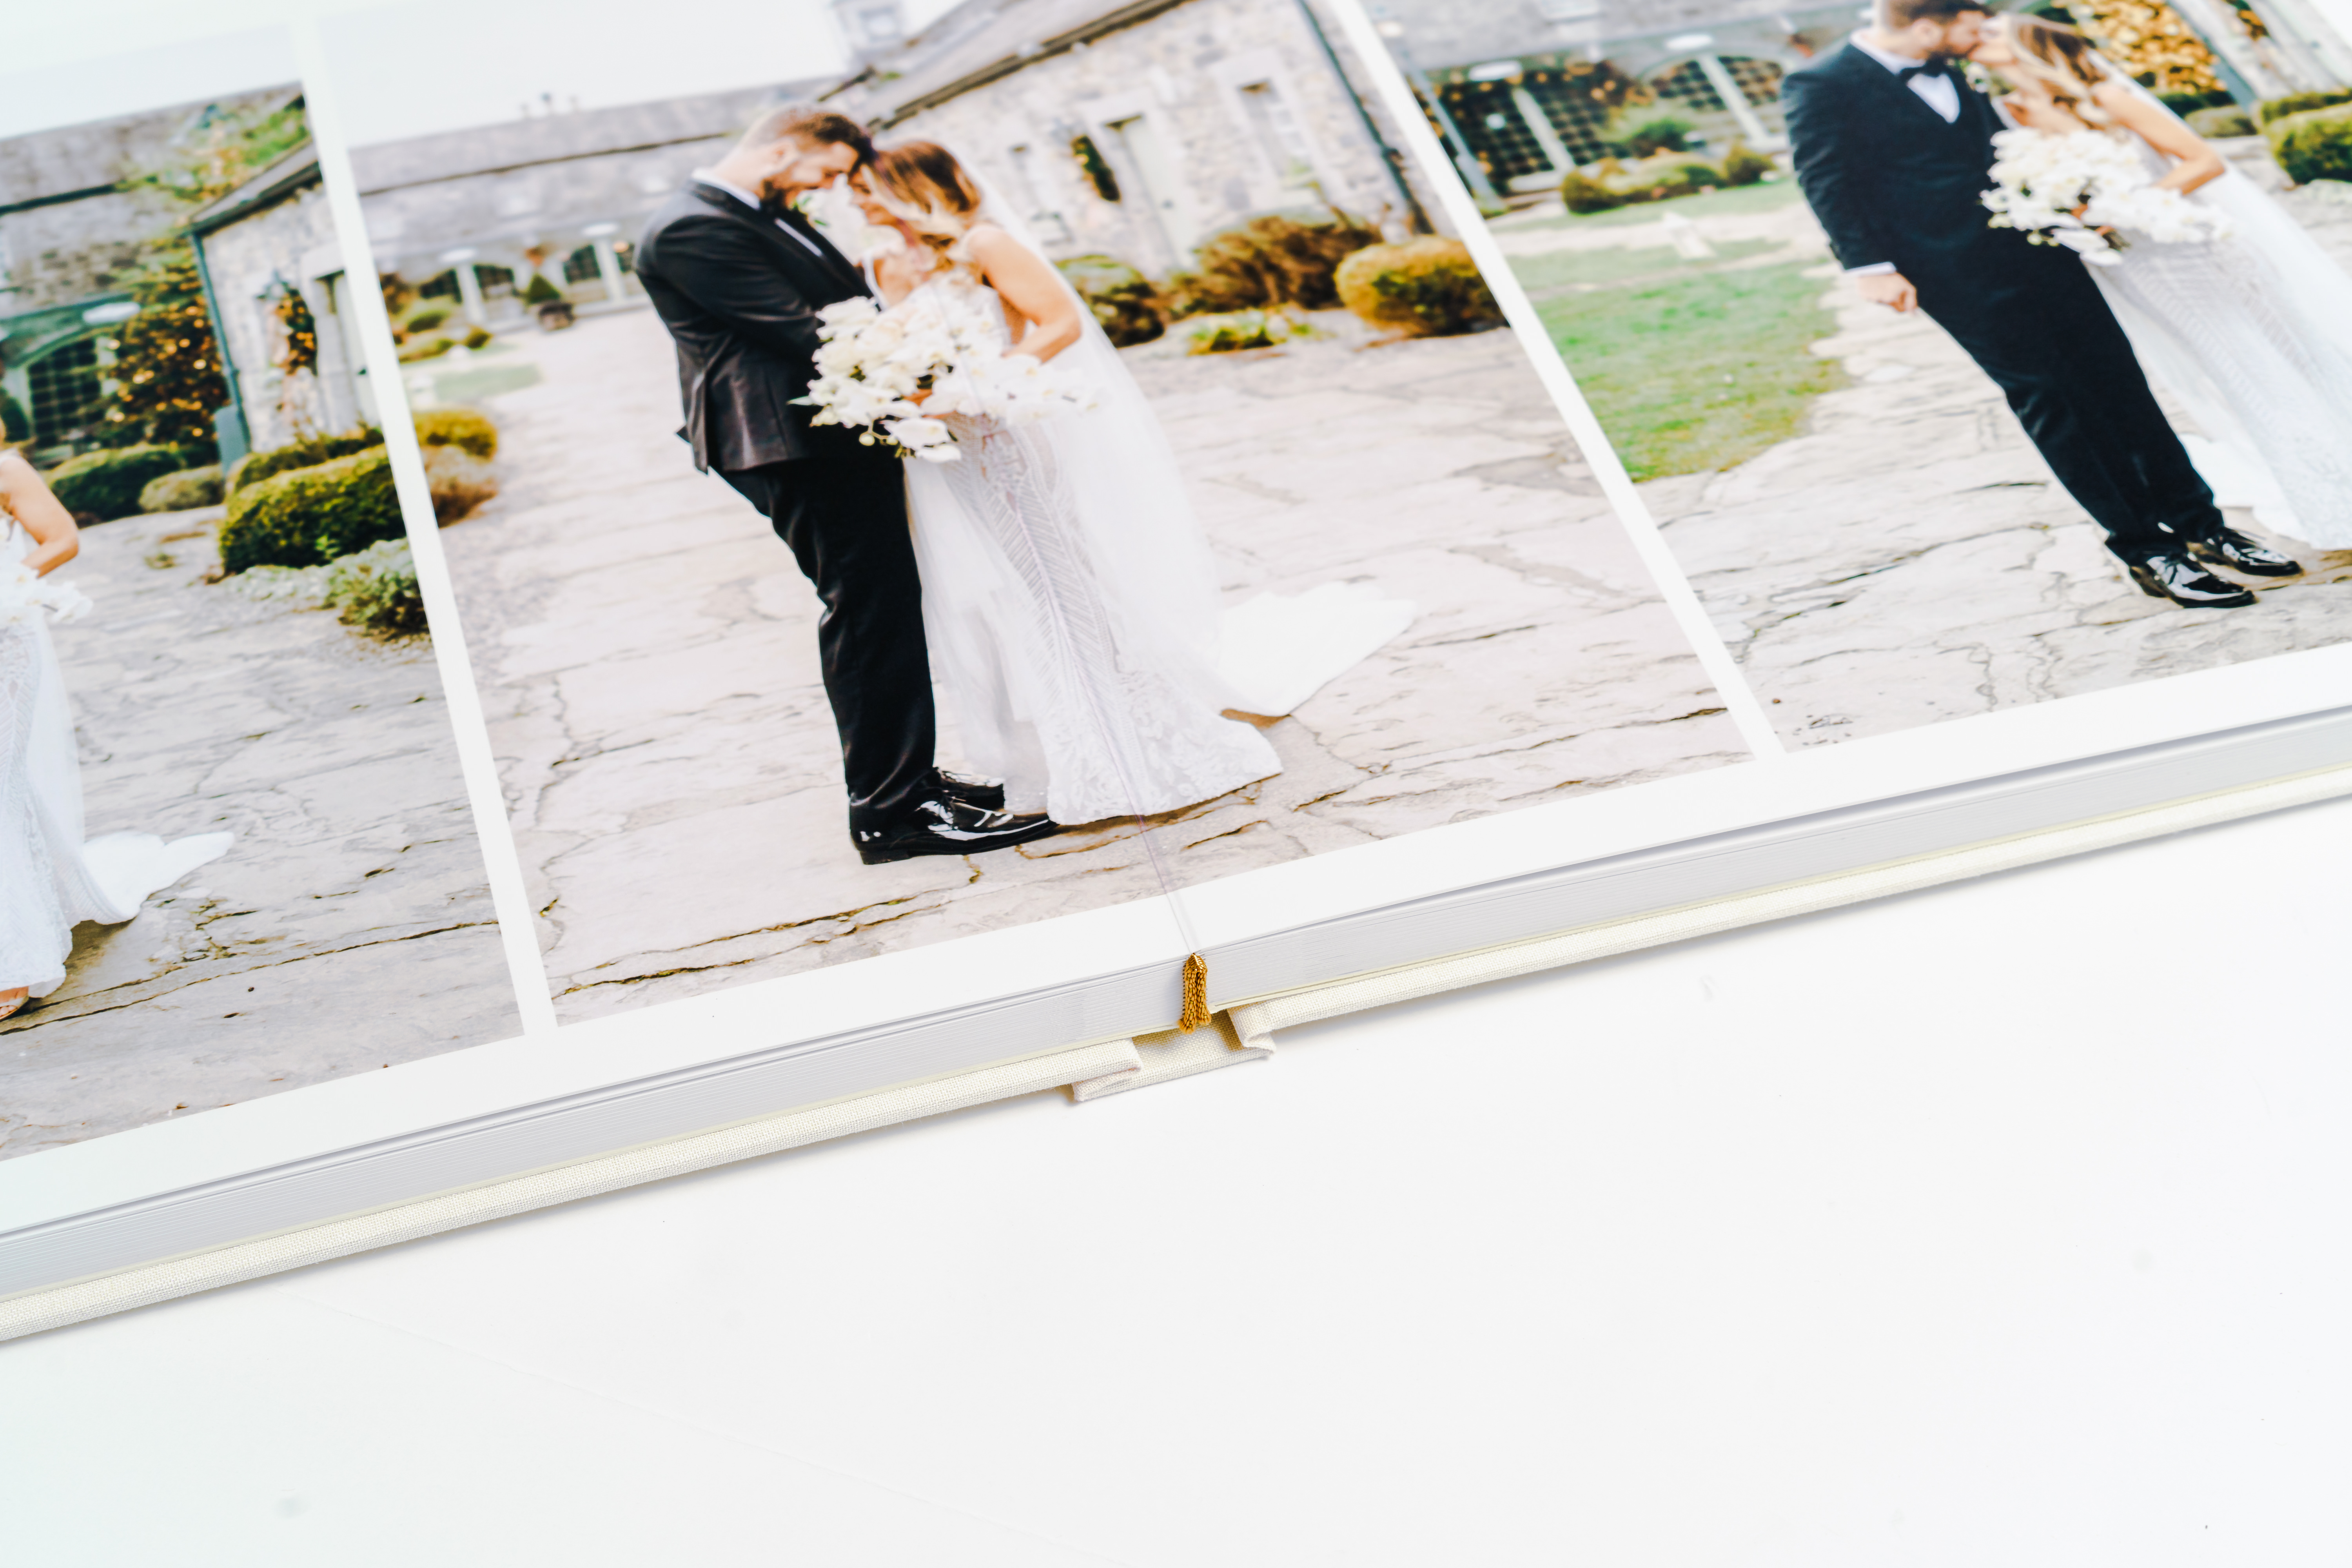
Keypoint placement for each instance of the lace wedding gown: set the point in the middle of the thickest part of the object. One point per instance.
(50, 877)
(2251, 334)
(1073, 615)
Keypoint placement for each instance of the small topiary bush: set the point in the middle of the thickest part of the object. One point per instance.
(1582, 193)
(1423, 287)
(2187, 103)
(1744, 166)
(1655, 133)
(107, 485)
(428, 316)
(306, 516)
(375, 589)
(432, 345)
(539, 291)
(182, 491)
(468, 429)
(2275, 109)
(256, 466)
(2226, 121)
(2314, 145)
(460, 481)
(478, 336)
(1267, 262)
(1122, 299)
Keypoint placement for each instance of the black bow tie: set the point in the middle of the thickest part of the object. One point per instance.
(1940, 66)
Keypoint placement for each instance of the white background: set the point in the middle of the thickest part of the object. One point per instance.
(2003, 1224)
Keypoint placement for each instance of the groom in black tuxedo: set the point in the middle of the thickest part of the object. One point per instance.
(1893, 149)
(738, 275)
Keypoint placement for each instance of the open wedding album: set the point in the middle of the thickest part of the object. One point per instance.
(644, 596)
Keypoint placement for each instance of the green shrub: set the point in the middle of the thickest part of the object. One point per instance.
(305, 517)
(375, 589)
(182, 491)
(1121, 297)
(1425, 287)
(428, 315)
(256, 466)
(460, 483)
(2227, 119)
(1649, 134)
(476, 337)
(1269, 261)
(106, 485)
(1742, 166)
(1584, 194)
(432, 345)
(2314, 145)
(539, 291)
(1241, 330)
(2275, 109)
(467, 429)
(2187, 103)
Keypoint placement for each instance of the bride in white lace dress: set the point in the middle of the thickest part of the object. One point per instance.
(2252, 333)
(50, 877)
(1069, 599)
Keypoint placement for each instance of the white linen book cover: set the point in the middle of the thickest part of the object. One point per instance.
(585, 598)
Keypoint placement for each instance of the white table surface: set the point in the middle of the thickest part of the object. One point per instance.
(2003, 1224)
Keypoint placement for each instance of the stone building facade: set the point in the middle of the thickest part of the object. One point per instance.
(261, 248)
(75, 222)
(1140, 129)
(474, 213)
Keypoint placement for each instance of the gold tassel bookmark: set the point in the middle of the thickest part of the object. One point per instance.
(1196, 994)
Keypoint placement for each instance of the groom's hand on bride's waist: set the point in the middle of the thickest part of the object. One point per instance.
(1891, 290)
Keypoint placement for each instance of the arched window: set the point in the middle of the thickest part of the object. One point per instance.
(580, 266)
(442, 287)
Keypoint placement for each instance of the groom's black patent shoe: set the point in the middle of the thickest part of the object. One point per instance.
(944, 826)
(2228, 547)
(2171, 574)
(986, 794)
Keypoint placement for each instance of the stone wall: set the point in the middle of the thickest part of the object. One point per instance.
(1207, 113)
(65, 251)
(293, 240)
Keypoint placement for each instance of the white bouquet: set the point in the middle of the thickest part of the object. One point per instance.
(941, 341)
(25, 595)
(2066, 189)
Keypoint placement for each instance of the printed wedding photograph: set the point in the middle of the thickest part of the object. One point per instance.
(236, 853)
(912, 470)
(1967, 357)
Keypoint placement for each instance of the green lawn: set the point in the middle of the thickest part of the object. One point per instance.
(1758, 198)
(1692, 374)
(1561, 270)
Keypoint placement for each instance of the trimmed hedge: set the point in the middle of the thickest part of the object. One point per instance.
(460, 483)
(1423, 287)
(2274, 109)
(1269, 261)
(308, 517)
(2314, 145)
(107, 485)
(256, 466)
(467, 429)
(1122, 299)
(1613, 183)
(182, 491)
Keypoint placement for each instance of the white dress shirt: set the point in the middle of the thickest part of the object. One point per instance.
(705, 176)
(1940, 94)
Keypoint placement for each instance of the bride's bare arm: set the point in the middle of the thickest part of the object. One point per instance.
(2197, 164)
(1028, 283)
(56, 540)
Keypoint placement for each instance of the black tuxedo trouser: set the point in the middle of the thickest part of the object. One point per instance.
(844, 516)
(2045, 335)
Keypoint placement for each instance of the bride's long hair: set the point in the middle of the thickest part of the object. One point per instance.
(922, 184)
(2059, 60)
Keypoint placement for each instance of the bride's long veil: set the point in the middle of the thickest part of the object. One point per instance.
(2314, 289)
